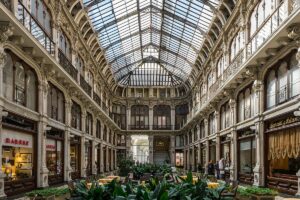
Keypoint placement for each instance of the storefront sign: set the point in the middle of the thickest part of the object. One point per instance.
(50, 145)
(16, 139)
(287, 121)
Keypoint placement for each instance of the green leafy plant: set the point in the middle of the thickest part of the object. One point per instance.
(47, 192)
(253, 190)
(125, 166)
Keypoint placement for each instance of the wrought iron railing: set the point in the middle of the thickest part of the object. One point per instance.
(34, 27)
(67, 65)
(139, 127)
(162, 127)
(85, 86)
(97, 98)
(6, 3)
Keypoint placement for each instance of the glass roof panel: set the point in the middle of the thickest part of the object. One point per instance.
(143, 38)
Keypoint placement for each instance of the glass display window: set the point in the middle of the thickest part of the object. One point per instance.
(54, 156)
(179, 159)
(17, 155)
(75, 156)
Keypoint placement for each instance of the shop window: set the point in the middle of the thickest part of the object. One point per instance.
(89, 124)
(212, 151)
(54, 156)
(98, 129)
(18, 156)
(247, 156)
(20, 82)
(76, 116)
(75, 156)
(56, 103)
(225, 151)
(282, 81)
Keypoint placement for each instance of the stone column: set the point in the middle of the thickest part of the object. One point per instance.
(173, 117)
(192, 162)
(116, 162)
(218, 147)
(199, 155)
(259, 170)
(94, 166)
(82, 159)
(233, 142)
(298, 175)
(101, 158)
(107, 163)
(112, 159)
(207, 152)
(151, 117)
(128, 147)
(188, 158)
(67, 164)
(151, 149)
(128, 117)
(172, 150)
(2, 175)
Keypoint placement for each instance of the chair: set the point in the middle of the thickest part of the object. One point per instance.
(229, 192)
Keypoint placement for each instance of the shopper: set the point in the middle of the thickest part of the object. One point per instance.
(210, 168)
(222, 168)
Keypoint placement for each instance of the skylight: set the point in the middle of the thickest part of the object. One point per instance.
(132, 31)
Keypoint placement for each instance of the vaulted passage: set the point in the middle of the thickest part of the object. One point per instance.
(96, 90)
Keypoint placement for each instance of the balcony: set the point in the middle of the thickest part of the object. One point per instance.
(139, 127)
(67, 65)
(33, 26)
(85, 86)
(162, 127)
(96, 98)
(6, 3)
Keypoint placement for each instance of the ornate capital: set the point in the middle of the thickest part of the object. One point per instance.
(294, 32)
(5, 31)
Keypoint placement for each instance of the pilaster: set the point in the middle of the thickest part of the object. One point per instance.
(151, 117)
(172, 150)
(151, 148)
(107, 155)
(173, 116)
(83, 163)
(101, 158)
(94, 166)
(67, 166)
(2, 175)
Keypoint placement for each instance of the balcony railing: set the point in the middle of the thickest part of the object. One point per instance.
(67, 65)
(162, 127)
(97, 99)
(85, 86)
(33, 26)
(139, 127)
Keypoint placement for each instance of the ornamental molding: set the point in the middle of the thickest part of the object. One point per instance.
(294, 32)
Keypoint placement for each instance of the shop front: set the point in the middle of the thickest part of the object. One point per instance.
(75, 156)
(55, 156)
(97, 158)
(246, 155)
(18, 155)
(212, 151)
(283, 153)
(225, 154)
(179, 158)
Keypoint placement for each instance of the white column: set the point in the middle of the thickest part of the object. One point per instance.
(128, 117)
(107, 163)
(2, 175)
(101, 158)
(82, 159)
(173, 117)
(67, 164)
(150, 117)
(94, 167)
(233, 142)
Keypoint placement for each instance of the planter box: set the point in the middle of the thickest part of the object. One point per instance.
(255, 197)
(52, 197)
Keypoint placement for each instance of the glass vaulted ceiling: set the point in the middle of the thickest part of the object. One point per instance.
(151, 42)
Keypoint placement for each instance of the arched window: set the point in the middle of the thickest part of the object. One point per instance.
(41, 13)
(56, 104)
(225, 116)
(76, 116)
(211, 123)
(221, 66)
(202, 129)
(19, 82)
(246, 106)
(8, 78)
(89, 124)
(98, 129)
(294, 77)
(282, 81)
(139, 117)
(64, 45)
(162, 117)
(210, 79)
(237, 44)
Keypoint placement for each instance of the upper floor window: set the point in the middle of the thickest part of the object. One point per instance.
(89, 124)
(202, 129)
(225, 116)
(162, 117)
(179, 141)
(56, 104)
(64, 45)
(20, 82)
(211, 123)
(90, 78)
(181, 112)
(140, 117)
(195, 133)
(76, 116)
(79, 64)
(261, 13)
(98, 129)
(237, 44)
(210, 79)
(104, 133)
(246, 104)
(221, 66)
(283, 81)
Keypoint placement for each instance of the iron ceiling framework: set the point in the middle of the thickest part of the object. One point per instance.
(151, 42)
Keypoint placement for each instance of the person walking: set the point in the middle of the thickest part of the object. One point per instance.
(221, 169)
(210, 168)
